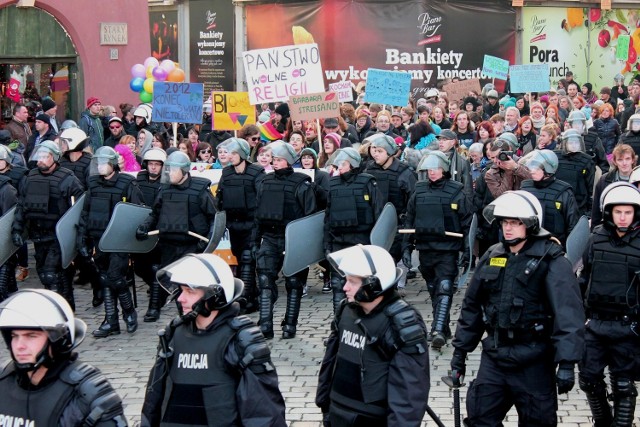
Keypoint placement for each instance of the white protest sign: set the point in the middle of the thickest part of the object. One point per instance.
(529, 78)
(275, 74)
(343, 90)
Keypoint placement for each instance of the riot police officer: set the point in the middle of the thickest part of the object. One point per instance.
(375, 370)
(353, 207)
(576, 168)
(184, 205)
(147, 264)
(632, 135)
(213, 365)
(611, 291)
(237, 195)
(556, 197)
(395, 180)
(45, 383)
(525, 297)
(285, 196)
(8, 199)
(48, 192)
(107, 186)
(438, 205)
(592, 142)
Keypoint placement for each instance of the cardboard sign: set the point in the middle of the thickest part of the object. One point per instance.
(622, 49)
(177, 102)
(459, 90)
(343, 89)
(495, 67)
(314, 106)
(277, 73)
(387, 87)
(529, 78)
(231, 110)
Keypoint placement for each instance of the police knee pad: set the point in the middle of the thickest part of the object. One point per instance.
(49, 279)
(264, 282)
(119, 285)
(623, 387)
(104, 281)
(591, 385)
(292, 282)
(245, 257)
(445, 287)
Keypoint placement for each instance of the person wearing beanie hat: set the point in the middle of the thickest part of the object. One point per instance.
(588, 94)
(50, 108)
(44, 132)
(491, 107)
(285, 195)
(91, 123)
(330, 144)
(363, 123)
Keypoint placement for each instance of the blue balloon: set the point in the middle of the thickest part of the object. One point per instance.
(136, 84)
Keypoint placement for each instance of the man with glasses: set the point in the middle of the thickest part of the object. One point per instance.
(116, 128)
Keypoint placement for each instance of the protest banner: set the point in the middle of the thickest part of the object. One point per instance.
(314, 106)
(459, 90)
(529, 78)
(387, 87)
(177, 102)
(231, 110)
(277, 73)
(343, 90)
(622, 48)
(495, 67)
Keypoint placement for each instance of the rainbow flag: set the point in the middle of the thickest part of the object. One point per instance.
(268, 132)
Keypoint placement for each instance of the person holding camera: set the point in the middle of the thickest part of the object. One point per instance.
(505, 173)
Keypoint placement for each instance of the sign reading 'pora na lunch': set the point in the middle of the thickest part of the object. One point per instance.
(275, 74)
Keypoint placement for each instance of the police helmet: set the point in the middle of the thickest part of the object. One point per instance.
(68, 124)
(432, 93)
(74, 138)
(619, 193)
(384, 141)
(48, 147)
(633, 179)
(238, 145)
(578, 121)
(373, 264)
(108, 154)
(144, 111)
(208, 272)
(284, 150)
(510, 138)
(348, 154)
(434, 160)
(633, 124)
(178, 159)
(47, 311)
(520, 205)
(546, 160)
(572, 141)
(155, 154)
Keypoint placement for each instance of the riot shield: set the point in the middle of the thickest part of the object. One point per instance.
(7, 248)
(219, 227)
(67, 232)
(471, 238)
(120, 234)
(577, 242)
(303, 243)
(385, 228)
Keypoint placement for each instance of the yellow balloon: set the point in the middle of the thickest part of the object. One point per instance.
(148, 85)
(149, 71)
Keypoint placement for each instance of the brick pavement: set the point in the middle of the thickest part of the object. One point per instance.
(126, 359)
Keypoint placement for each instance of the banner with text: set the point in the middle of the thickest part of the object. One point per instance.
(529, 78)
(428, 40)
(387, 87)
(495, 67)
(231, 110)
(314, 106)
(459, 90)
(277, 73)
(177, 102)
(343, 90)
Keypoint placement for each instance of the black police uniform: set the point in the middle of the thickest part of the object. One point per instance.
(178, 209)
(219, 376)
(529, 305)
(80, 167)
(594, 148)
(285, 196)
(8, 199)
(42, 201)
(102, 196)
(486, 234)
(17, 177)
(611, 292)
(436, 207)
(559, 205)
(353, 207)
(631, 138)
(71, 393)
(375, 370)
(396, 183)
(237, 195)
(578, 170)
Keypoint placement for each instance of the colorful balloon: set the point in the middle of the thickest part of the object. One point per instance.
(138, 70)
(151, 62)
(168, 65)
(160, 74)
(176, 76)
(146, 96)
(149, 72)
(136, 84)
(148, 85)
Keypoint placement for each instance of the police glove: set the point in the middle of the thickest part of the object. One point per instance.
(202, 245)
(565, 377)
(142, 233)
(406, 258)
(458, 366)
(463, 260)
(17, 239)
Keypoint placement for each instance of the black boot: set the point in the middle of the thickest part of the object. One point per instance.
(153, 313)
(247, 273)
(66, 287)
(597, 398)
(12, 283)
(337, 283)
(624, 401)
(5, 273)
(129, 314)
(266, 306)
(440, 321)
(294, 296)
(111, 324)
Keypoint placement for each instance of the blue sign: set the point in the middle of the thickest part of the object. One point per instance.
(177, 102)
(495, 67)
(529, 78)
(387, 87)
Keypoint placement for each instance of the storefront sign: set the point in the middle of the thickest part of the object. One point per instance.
(231, 110)
(177, 102)
(529, 78)
(314, 106)
(495, 67)
(343, 90)
(113, 33)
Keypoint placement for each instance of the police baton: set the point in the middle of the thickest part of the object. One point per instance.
(190, 233)
(446, 233)
(434, 417)
(454, 382)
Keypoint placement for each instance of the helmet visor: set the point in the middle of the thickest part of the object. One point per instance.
(172, 174)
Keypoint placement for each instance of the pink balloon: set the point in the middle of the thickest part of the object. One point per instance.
(151, 62)
(168, 65)
(160, 74)
(138, 70)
